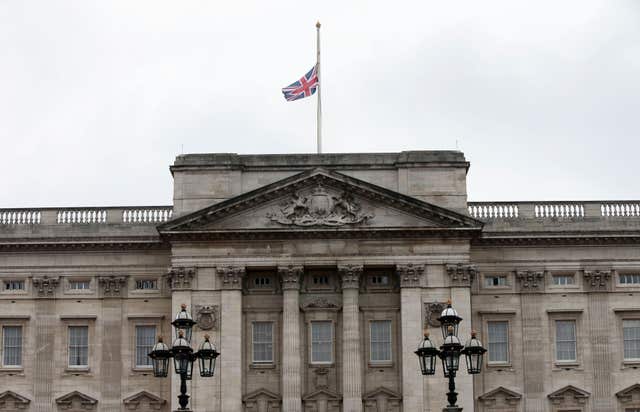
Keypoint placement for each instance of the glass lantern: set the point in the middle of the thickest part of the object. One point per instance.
(160, 355)
(427, 355)
(474, 353)
(183, 323)
(207, 355)
(450, 352)
(182, 357)
(449, 318)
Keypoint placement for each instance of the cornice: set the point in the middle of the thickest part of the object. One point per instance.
(64, 244)
(556, 238)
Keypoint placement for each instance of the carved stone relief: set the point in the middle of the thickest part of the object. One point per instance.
(320, 208)
(112, 285)
(461, 274)
(319, 303)
(350, 276)
(321, 378)
(262, 400)
(180, 278)
(410, 275)
(530, 281)
(231, 277)
(45, 286)
(290, 276)
(207, 317)
(433, 310)
(597, 280)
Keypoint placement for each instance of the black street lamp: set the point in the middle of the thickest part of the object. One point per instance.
(449, 353)
(183, 355)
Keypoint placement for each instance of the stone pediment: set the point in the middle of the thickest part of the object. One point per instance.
(143, 399)
(569, 395)
(11, 400)
(322, 394)
(319, 200)
(76, 401)
(261, 394)
(630, 393)
(382, 392)
(500, 396)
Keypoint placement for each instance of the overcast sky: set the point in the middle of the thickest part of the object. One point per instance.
(98, 97)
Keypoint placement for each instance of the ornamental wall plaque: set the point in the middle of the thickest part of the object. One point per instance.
(207, 317)
(320, 209)
(432, 311)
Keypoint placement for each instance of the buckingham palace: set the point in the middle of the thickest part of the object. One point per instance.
(315, 276)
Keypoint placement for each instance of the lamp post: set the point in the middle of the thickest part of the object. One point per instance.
(183, 355)
(449, 353)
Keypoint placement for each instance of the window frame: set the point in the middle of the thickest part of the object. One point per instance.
(68, 357)
(89, 322)
(506, 362)
(485, 277)
(627, 361)
(575, 341)
(625, 284)
(22, 291)
(391, 342)
(253, 342)
(332, 341)
(137, 366)
(20, 325)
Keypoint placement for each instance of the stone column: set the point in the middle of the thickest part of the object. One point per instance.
(351, 356)
(291, 364)
(45, 325)
(460, 278)
(231, 338)
(411, 318)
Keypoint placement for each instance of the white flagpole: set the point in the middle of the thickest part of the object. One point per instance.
(319, 115)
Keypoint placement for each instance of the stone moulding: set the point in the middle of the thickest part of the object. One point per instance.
(12, 400)
(180, 278)
(569, 395)
(45, 286)
(320, 208)
(76, 399)
(626, 395)
(491, 398)
(134, 401)
(271, 401)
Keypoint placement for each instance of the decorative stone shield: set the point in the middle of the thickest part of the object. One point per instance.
(433, 310)
(207, 317)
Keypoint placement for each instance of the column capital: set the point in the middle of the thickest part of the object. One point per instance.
(291, 276)
(461, 274)
(597, 280)
(231, 277)
(180, 277)
(350, 275)
(45, 285)
(530, 280)
(410, 275)
(112, 285)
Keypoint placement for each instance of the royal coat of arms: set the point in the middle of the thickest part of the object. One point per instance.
(320, 209)
(207, 317)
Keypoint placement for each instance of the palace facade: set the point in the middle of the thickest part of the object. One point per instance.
(315, 276)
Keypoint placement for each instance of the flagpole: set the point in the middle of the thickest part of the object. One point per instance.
(319, 114)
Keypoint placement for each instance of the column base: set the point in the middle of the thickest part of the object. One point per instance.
(452, 409)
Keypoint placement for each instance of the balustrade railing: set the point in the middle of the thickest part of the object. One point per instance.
(86, 216)
(570, 210)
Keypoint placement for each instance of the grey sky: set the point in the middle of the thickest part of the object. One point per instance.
(97, 97)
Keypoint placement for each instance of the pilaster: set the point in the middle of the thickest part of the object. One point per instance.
(411, 318)
(180, 278)
(111, 366)
(351, 356)
(291, 359)
(231, 337)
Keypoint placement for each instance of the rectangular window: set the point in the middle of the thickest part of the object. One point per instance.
(630, 278)
(631, 337)
(563, 280)
(498, 341)
(12, 346)
(262, 342)
(146, 284)
(566, 340)
(145, 339)
(492, 281)
(78, 346)
(380, 335)
(321, 342)
(14, 285)
(79, 284)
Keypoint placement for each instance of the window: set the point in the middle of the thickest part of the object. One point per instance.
(78, 346)
(380, 335)
(12, 346)
(262, 282)
(563, 280)
(320, 280)
(631, 337)
(321, 342)
(379, 280)
(566, 341)
(498, 341)
(79, 284)
(145, 339)
(492, 281)
(14, 285)
(146, 284)
(262, 342)
(630, 278)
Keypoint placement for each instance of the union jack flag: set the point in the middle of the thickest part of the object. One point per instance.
(305, 87)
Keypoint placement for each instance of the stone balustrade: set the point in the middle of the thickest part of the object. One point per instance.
(86, 215)
(573, 210)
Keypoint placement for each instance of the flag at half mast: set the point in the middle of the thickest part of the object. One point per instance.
(305, 87)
